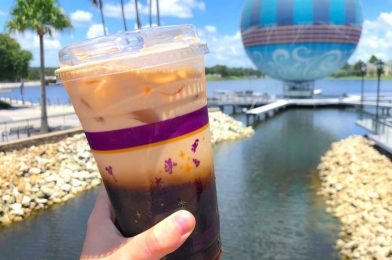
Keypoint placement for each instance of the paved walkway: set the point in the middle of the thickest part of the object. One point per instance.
(25, 112)
(23, 121)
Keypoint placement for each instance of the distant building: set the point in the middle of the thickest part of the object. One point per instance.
(372, 69)
(388, 68)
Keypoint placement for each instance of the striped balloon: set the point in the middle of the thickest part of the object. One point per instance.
(300, 40)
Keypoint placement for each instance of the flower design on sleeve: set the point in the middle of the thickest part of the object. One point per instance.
(196, 162)
(158, 181)
(169, 165)
(195, 145)
(109, 170)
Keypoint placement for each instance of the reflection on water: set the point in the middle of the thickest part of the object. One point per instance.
(266, 189)
(56, 233)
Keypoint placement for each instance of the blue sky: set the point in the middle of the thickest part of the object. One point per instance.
(217, 22)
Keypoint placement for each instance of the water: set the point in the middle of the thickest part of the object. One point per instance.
(56, 94)
(266, 190)
(275, 87)
(56, 233)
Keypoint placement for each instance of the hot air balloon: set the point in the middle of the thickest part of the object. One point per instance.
(300, 41)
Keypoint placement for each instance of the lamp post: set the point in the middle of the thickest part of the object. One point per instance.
(380, 66)
(363, 73)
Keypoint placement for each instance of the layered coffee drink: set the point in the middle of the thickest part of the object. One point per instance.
(141, 99)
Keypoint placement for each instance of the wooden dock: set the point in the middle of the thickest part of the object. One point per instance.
(259, 106)
(379, 131)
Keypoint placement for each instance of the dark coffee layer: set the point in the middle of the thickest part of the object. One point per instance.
(139, 209)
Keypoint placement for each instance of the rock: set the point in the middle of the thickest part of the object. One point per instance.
(84, 154)
(66, 172)
(96, 182)
(35, 170)
(15, 192)
(41, 201)
(51, 178)
(357, 185)
(225, 128)
(47, 191)
(26, 201)
(40, 194)
(17, 209)
(5, 220)
(6, 198)
(76, 183)
(66, 187)
(34, 179)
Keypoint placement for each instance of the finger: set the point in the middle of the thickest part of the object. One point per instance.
(100, 224)
(163, 238)
(102, 216)
(103, 207)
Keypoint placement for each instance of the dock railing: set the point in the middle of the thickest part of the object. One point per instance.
(380, 127)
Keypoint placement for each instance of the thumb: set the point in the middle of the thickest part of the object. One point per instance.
(163, 238)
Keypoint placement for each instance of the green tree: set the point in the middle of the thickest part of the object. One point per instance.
(33, 72)
(14, 61)
(373, 59)
(225, 71)
(42, 17)
(357, 68)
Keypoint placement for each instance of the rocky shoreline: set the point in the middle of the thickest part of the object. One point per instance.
(39, 176)
(357, 186)
(225, 128)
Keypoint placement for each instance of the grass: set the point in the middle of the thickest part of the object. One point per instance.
(387, 77)
(217, 78)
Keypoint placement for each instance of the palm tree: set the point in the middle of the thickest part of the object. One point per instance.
(42, 17)
(150, 12)
(159, 21)
(99, 4)
(123, 15)
(139, 25)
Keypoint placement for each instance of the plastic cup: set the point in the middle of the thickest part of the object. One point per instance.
(141, 99)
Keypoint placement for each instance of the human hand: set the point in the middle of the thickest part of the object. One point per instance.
(104, 241)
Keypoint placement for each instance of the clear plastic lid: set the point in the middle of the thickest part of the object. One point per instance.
(141, 48)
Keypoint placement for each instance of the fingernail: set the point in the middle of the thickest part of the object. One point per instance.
(183, 220)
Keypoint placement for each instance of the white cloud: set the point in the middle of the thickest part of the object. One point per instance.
(225, 49)
(95, 30)
(180, 8)
(80, 16)
(174, 8)
(376, 39)
(114, 10)
(30, 41)
(210, 28)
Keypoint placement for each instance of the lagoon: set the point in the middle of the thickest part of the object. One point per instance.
(56, 94)
(266, 186)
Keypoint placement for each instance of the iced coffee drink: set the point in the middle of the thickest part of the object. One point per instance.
(141, 99)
